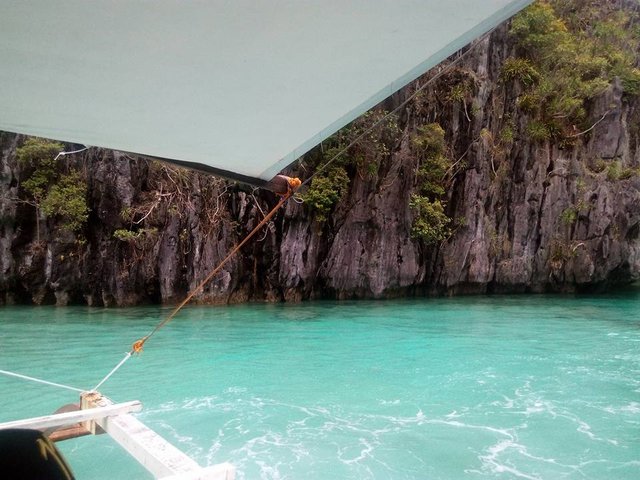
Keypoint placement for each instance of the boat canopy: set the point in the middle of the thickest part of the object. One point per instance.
(241, 88)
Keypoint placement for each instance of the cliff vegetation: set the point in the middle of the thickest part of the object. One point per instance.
(516, 171)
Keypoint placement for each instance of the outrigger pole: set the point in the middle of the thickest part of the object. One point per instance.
(98, 414)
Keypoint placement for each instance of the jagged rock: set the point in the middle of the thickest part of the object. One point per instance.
(531, 217)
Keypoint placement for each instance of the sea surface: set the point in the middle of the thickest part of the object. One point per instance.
(501, 387)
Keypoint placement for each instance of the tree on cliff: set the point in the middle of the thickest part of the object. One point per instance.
(49, 191)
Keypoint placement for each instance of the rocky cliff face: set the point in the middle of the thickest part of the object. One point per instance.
(529, 216)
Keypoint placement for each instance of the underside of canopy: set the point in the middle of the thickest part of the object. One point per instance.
(241, 87)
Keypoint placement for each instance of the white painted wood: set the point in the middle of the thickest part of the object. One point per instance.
(152, 451)
(91, 399)
(69, 418)
(147, 447)
(156, 454)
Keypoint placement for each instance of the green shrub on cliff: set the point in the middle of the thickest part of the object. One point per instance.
(38, 154)
(429, 145)
(373, 135)
(430, 224)
(52, 192)
(570, 51)
(361, 146)
(428, 140)
(519, 69)
(67, 200)
(139, 238)
(325, 191)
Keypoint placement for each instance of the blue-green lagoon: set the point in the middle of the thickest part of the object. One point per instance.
(534, 387)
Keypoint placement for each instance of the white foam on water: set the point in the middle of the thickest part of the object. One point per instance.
(212, 457)
(235, 390)
(491, 462)
(631, 407)
(538, 407)
(262, 451)
(184, 439)
(365, 452)
(584, 427)
(276, 450)
(197, 403)
(632, 463)
(268, 471)
(506, 403)
(486, 428)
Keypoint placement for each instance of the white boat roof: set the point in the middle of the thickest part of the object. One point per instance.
(241, 86)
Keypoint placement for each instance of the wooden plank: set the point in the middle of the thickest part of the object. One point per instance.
(147, 447)
(76, 430)
(92, 399)
(66, 433)
(69, 418)
(157, 455)
(151, 450)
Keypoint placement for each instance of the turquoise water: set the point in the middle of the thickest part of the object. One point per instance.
(533, 387)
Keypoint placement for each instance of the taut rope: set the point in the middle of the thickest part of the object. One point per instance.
(38, 380)
(139, 344)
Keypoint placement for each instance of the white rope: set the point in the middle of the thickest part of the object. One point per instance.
(62, 154)
(126, 357)
(38, 380)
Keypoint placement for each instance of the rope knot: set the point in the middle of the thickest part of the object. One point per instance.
(294, 183)
(137, 345)
(283, 185)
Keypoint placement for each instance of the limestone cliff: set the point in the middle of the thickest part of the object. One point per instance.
(528, 215)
